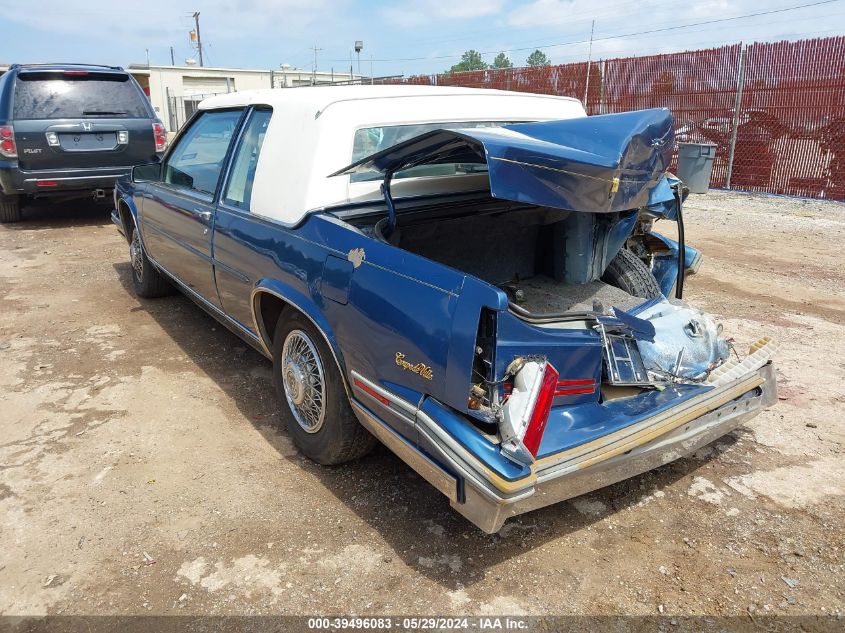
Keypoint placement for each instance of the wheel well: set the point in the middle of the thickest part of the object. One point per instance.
(269, 310)
(126, 219)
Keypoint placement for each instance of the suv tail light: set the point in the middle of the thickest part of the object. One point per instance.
(526, 410)
(160, 136)
(8, 147)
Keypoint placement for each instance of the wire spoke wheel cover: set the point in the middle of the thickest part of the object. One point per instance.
(136, 254)
(304, 381)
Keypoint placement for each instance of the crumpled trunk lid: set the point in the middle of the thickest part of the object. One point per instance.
(597, 164)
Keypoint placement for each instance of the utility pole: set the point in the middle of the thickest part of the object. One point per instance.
(172, 59)
(589, 60)
(314, 72)
(740, 86)
(199, 37)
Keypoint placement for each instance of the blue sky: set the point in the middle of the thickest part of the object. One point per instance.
(423, 36)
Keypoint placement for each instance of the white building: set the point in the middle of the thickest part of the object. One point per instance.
(175, 91)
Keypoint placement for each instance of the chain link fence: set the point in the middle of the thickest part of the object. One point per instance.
(776, 111)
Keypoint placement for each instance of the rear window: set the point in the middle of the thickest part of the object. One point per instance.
(41, 95)
(370, 140)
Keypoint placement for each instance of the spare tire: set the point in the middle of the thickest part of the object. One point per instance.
(628, 272)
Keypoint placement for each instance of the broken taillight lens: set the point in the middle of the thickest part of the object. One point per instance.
(160, 136)
(540, 411)
(8, 147)
(525, 413)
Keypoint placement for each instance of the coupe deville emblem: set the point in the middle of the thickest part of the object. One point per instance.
(423, 370)
(86, 126)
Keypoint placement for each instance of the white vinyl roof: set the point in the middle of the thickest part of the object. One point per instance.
(312, 129)
(320, 97)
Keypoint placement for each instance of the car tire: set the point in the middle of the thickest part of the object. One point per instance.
(312, 397)
(10, 208)
(628, 272)
(146, 280)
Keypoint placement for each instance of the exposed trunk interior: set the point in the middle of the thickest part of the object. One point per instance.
(533, 253)
(545, 295)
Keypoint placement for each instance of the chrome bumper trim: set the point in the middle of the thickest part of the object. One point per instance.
(427, 469)
(487, 500)
(556, 486)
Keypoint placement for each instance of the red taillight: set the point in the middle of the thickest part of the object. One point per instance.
(160, 136)
(575, 387)
(46, 183)
(540, 414)
(76, 73)
(8, 147)
(525, 411)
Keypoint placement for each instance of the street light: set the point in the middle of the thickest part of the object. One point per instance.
(359, 45)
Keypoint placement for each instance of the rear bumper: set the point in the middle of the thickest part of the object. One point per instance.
(17, 181)
(488, 501)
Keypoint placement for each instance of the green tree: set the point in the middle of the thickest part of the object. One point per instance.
(502, 61)
(538, 58)
(470, 60)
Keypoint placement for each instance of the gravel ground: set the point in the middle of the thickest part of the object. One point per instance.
(142, 470)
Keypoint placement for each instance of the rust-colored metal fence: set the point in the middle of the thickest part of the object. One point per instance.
(776, 111)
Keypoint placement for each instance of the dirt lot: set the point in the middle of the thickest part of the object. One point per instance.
(142, 470)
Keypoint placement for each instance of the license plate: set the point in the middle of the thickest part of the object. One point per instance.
(88, 141)
(622, 361)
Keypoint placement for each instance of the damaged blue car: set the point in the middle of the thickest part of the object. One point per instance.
(470, 277)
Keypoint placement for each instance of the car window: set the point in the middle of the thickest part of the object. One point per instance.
(197, 160)
(370, 140)
(41, 95)
(239, 188)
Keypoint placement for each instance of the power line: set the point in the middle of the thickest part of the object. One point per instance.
(707, 42)
(610, 13)
(614, 37)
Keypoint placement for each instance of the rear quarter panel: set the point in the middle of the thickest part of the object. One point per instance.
(377, 304)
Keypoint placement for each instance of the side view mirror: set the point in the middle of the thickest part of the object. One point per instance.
(146, 173)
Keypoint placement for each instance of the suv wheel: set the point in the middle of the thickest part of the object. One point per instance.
(147, 281)
(10, 208)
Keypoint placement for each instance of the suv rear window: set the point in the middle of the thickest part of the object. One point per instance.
(40, 95)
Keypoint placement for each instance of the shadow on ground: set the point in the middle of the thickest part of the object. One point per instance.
(46, 214)
(414, 519)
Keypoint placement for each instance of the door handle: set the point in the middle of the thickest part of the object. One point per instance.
(204, 215)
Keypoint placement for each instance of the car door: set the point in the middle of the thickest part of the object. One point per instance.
(178, 210)
(233, 260)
